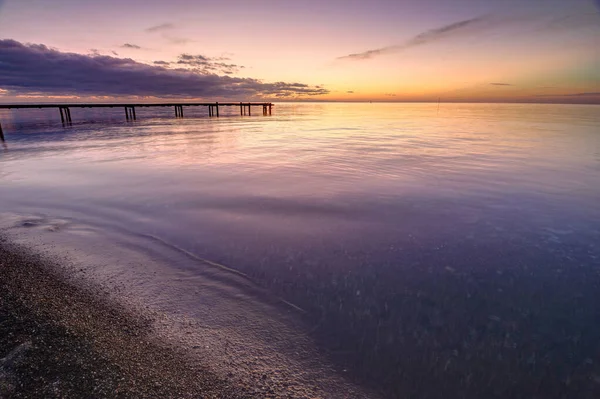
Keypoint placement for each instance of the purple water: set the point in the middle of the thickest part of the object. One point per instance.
(430, 251)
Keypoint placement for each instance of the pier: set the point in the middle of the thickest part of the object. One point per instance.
(130, 115)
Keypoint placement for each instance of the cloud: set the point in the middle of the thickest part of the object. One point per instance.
(572, 22)
(160, 28)
(390, 94)
(131, 46)
(483, 23)
(115, 53)
(163, 28)
(500, 84)
(350, 92)
(584, 94)
(192, 59)
(426, 37)
(163, 63)
(205, 64)
(590, 97)
(177, 40)
(34, 69)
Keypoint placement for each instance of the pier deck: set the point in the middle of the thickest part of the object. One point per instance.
(130, 115)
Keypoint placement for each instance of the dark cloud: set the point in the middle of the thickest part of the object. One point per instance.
(94, 51)
(390, 94)
(421, 39)
(350, 92)
(114, 53)
(500, 84)
(205, 64)
(192, 59)
(163, 63)
(160, 28)
(131, 46)
(38, 70)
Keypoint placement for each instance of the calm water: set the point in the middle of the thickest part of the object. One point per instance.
(435, 253)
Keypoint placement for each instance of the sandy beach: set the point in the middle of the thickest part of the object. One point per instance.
(59, 340)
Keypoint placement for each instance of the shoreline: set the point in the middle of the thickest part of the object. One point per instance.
(57, 339)
(243, 341)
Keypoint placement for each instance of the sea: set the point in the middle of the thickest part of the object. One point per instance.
(401, 250)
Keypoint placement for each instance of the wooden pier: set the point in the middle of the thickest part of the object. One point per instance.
(130, 115)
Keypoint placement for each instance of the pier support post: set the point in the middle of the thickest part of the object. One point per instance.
(65, 115)
(1, 134)
(270, 105)
(241, 109)
(249, 109)
(130, 113)
(217, 106)
(179, 111)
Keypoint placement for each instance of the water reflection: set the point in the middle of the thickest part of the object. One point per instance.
(451, 251)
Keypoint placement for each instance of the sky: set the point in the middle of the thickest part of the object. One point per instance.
(317, 50)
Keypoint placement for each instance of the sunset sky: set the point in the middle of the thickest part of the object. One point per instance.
(379, 50)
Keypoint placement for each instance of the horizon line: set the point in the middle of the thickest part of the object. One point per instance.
(183, 102)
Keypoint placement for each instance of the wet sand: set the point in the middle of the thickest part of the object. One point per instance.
(59, 340)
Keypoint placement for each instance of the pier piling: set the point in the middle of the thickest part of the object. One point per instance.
(65, 115)
(178, 111)
(130, 114)
(1, 134)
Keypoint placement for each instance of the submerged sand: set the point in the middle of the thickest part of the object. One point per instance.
(60, 340)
